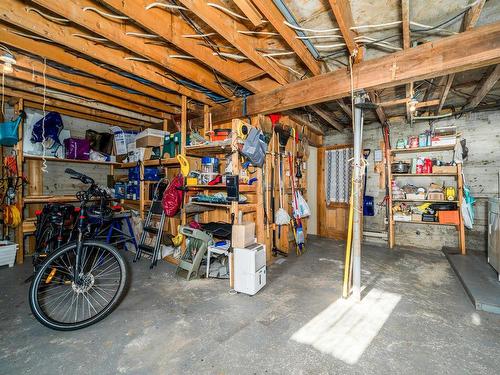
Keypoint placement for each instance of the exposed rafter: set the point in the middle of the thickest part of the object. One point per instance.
(468, 22)
(155, 20)
(327, 117)
(484, 88)
(15, 13)
(116, 33)
(249, 10)
(228, 28)
(441, 57)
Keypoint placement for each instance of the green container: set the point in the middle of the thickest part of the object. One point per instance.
(172, 144)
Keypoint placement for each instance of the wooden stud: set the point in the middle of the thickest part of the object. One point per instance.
(484, 88)
(18, 108)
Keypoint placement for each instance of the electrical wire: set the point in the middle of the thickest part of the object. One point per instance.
(35, 37)
(249, 32)
(441, 24)
(227, 11)
(167, 6)
(186, 57)
(133, 58)
(113, 17)
(90, 37)
(48, 16)
(195, 36)
(142, 35)
(231, 56)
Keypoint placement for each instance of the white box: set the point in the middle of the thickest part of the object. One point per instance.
(250, 268)
(122, 139)
(8, 252)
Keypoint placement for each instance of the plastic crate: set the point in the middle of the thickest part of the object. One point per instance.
(8, 252)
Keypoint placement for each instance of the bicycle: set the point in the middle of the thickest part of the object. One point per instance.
(81, 282)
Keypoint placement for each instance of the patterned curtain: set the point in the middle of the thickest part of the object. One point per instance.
(338, 175)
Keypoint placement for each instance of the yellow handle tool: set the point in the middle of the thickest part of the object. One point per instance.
(184, 165)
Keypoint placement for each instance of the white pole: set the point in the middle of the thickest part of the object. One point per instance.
(357, 198)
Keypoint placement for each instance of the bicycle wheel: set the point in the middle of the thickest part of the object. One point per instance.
(60, 303)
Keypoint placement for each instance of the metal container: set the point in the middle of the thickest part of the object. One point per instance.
(494, 233)
(400, 167)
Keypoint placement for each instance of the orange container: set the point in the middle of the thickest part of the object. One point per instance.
(449, 217)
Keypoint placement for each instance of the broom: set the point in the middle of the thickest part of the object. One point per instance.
(281, 216)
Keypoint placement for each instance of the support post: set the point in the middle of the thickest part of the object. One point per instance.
(357, 198)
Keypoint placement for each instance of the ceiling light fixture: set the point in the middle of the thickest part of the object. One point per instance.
(413, 105)
(8, 60)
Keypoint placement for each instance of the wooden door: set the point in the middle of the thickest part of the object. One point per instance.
(332, 216)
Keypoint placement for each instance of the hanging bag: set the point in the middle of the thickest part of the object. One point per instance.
(172, 197)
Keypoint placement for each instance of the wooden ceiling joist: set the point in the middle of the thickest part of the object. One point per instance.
(327, 117)
(276, 18)
(155, 20)
(468, 22)
(56, 53)
(441, 57)
(36, 66)
(59, 85)
(343, 15)
(250, 11)
(228, 28)
(31, 88)
(116, 33)
(14, 12)
(484, 88)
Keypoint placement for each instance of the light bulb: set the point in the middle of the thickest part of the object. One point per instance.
(7, 68)
(413, 105)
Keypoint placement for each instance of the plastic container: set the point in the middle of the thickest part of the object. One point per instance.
(209, 165)
(449, 217)
(8, 252)
(120, 190)
(122, 139)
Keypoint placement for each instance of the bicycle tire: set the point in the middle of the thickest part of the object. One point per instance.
(51, 261)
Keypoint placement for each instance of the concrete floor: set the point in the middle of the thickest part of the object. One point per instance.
(166, 325)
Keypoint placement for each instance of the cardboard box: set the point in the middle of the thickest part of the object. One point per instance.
(444, 169)
(151, 138)
(243, 235)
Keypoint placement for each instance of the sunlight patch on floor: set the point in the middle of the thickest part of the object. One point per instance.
(346, 328)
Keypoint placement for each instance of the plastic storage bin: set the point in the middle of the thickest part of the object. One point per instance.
(8, 252)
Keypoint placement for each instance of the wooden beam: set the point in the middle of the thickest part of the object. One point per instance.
(155, 20)
(89, 111)
(52, 83)
(250, 11)
(440, 57)
(444, 93)
(83, 116)
(276, 18)
(343, 16)
(56, 53)
(373, 95)
(485, 87)
(472, 16)
(14, 12)
(228, 28)
(328, 118)
(38, 90)
(36, 66)
(405, 16)
(469, 21)
(346, 108)
(116, 33)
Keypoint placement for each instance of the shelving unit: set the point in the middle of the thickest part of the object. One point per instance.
(457, 176)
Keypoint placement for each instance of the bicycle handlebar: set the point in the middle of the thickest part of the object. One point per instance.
(80, 176)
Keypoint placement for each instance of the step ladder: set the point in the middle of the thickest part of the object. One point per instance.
(155, 212)
(195, 251)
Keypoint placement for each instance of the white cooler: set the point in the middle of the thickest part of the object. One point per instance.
(249, 268)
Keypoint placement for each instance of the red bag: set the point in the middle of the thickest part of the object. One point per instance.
(172, 197)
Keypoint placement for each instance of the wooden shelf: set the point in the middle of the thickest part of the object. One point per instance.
(212, 148)
(35, 157)
(422, 149)
(423, 174)
(50, 199)
(243, 207)
(426, 222)
(242, 188)
(150, 163)
(424, 200)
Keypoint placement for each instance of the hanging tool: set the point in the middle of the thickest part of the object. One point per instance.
(296, 221)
